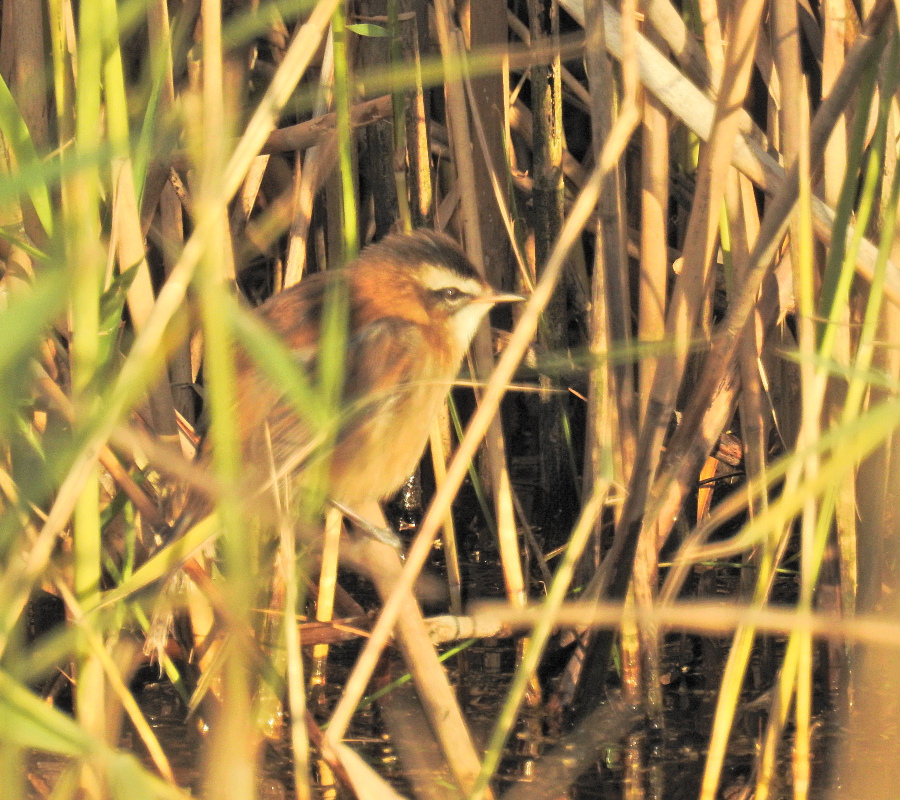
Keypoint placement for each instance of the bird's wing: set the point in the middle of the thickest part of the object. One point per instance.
(381, 357)
(378, 359)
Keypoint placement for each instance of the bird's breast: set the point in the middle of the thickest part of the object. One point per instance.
(392, 397)
(380, 451)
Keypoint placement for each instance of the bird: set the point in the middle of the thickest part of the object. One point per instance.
(414, 302)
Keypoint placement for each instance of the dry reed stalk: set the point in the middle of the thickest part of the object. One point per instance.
(460, 143)
(654, 260)
(691, 106)
(743, 223)
(690, 431)
(610, 395)
(487, 27)
(710, 617)
(434, 690)
(640, 509)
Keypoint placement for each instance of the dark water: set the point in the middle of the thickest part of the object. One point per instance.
(652, 761)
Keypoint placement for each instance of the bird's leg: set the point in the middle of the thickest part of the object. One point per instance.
(379, 533)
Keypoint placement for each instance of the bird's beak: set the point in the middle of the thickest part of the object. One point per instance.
(493, 298)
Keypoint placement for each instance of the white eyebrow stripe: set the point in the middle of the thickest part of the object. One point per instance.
(436, 277)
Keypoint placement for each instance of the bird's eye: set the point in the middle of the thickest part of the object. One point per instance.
(450, 298)
(452, 295)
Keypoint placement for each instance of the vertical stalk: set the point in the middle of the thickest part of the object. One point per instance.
(292, 641)
(548, 197)
(654, 263)
(398, 112)
(453, 53)
(345, 137)
(126, 217)
(231, 762)
(422, 190)
(81, 198)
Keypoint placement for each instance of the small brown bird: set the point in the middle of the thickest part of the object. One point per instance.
(414, 304)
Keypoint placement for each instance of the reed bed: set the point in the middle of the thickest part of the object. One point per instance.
(680, 450)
